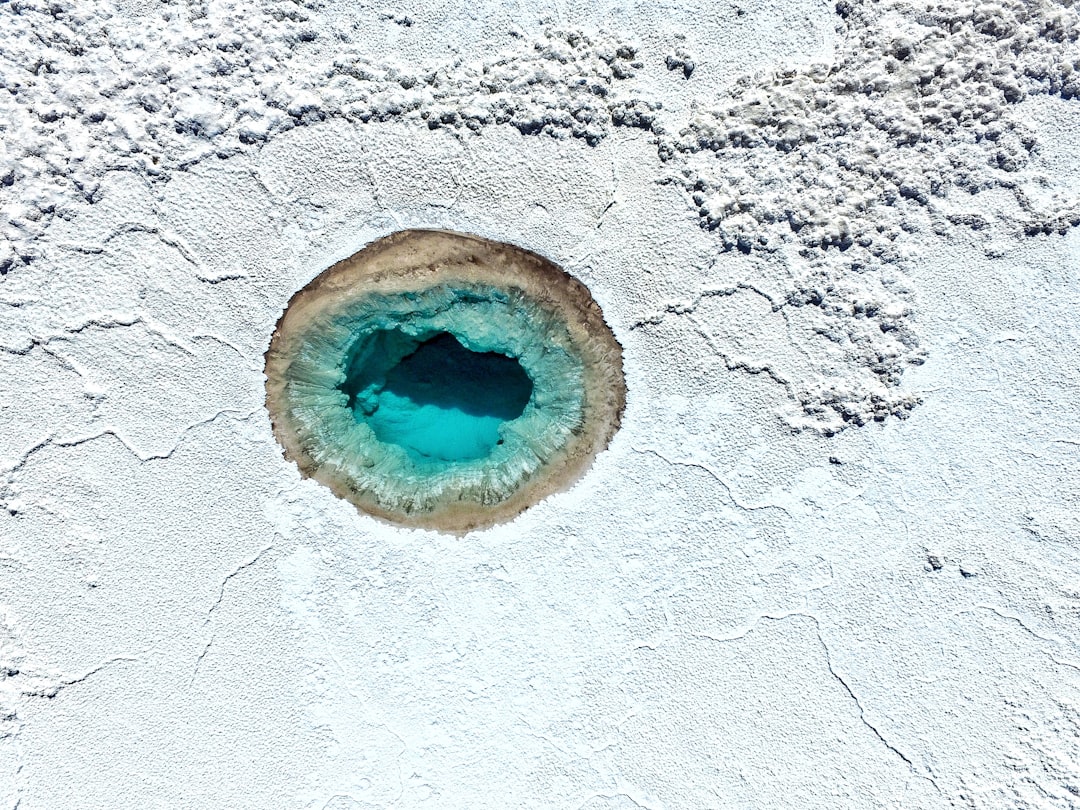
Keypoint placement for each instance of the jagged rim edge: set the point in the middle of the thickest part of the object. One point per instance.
(602, 421)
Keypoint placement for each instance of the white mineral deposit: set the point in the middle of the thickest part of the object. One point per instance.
(764, 493)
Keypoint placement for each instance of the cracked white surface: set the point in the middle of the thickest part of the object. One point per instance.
(732, 608)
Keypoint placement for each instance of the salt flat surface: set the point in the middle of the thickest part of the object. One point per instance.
(830, 560)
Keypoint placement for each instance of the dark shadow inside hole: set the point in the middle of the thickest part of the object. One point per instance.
(436, 398)
(444, 373)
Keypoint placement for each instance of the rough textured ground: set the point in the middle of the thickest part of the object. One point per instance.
(831, 558)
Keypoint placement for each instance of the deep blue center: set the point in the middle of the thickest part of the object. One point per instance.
(441, 401)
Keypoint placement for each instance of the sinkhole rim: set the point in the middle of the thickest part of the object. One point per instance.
(455, 271)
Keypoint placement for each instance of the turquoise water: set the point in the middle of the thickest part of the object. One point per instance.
(442, 402)
(447, 393)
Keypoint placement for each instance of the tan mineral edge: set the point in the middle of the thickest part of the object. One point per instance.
(414, 260)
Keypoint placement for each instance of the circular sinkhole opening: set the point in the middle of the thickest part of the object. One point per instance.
(442, 380)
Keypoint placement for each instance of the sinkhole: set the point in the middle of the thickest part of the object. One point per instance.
(445, 381)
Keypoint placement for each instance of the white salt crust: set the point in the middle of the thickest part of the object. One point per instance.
(797, 217)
